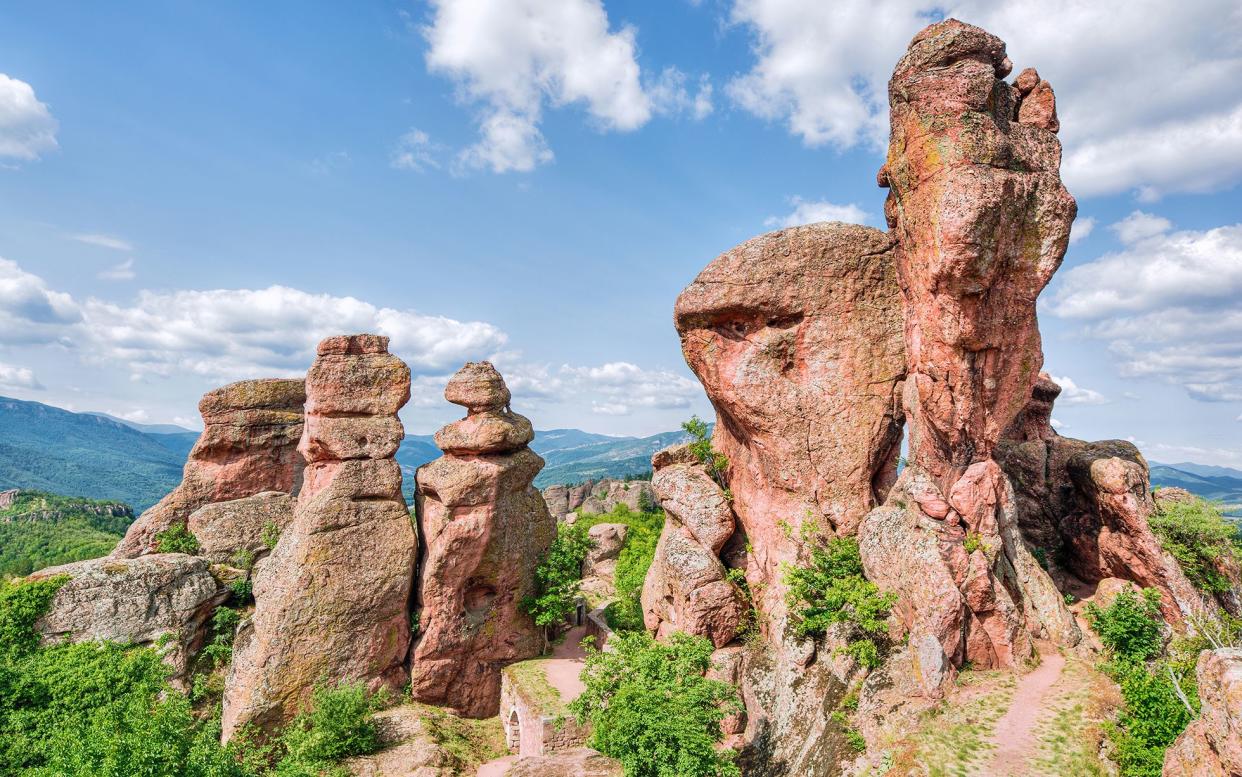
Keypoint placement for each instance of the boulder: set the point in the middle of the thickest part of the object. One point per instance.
(607, 540)
(408, 748)
(796, 336)
(1212, 744)
(600, 497)
(248, 446)
(332, 599)
(226, 529)
(163, 600)
(485, 530)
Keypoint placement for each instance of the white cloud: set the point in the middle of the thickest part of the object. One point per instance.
(514, 57)
(226, 334)
(1166, 452)
(669, 95)
(610, 408)
(1166, 304)
(614, 388)
(1239, 418)
(18, 377)
(120, 272)
(27, 128)
(1055, 424)
(1073, 394)
(329, 163)
(104, 241)
(822, 69)
(415, 151)
(812, 211)
(1081, 229)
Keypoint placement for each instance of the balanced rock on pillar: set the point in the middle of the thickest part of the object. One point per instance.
(332, 600)
(485, 529)
(248, 446)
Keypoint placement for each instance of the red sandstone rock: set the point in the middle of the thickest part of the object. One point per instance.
(1212, 745)
(982, 222)
(796, 336)
(485, 530)
(223, 529)
(248, 445)
(331, 601)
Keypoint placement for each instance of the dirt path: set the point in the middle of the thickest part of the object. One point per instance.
(1015, 737)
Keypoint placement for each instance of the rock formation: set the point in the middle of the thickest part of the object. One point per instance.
(163, 600)
(686, 587)
(1211, 746)
(332, 599)
(600, 497)
(599, 568)
(484, 530)
(248, 446)
(225, 530)
(982, 222)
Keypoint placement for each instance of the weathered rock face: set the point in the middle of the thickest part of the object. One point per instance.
(136, 601)
(485, 529)
(332, 599)
(599, 568)
(686, 588)
(796, 336)
(248, 445)
(600, 497)
(580, 762)
(1212, 745)
(982, 222)
(226, 529)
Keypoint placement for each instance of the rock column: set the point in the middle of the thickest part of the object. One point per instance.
(332, 600)
(485, 528)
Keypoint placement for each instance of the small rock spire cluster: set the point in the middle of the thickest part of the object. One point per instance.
(484, 529)
(332, 599)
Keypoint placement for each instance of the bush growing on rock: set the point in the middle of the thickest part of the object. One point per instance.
(833, 590)
(176, 539)
(1130, 626)
(651, 708)
(1198, 536)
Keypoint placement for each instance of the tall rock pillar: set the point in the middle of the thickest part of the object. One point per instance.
(332, 600)
(485, 528)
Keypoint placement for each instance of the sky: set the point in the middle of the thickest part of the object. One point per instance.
(193, 193)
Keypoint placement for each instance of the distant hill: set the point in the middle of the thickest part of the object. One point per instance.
(49, 449)
(1220, 484)
(39, 530)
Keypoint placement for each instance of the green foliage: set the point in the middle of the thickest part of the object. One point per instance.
(176, 539)
(21, 604)
(270, 535)
(243, 589)
(748, 628)
(1041, 557)
(244, 559)
(1197, 535)
(41, 530)
(651, 708)
(1152, 716)
(338, 725)
(647, 503)
(701, 446)
(1130, 627)
(833, 590)
(642, 533)
(974, 541)
(558, 577)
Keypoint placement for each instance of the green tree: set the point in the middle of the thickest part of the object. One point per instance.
(701, 446)
(1130, 626)
(558, 579)
(651, 708)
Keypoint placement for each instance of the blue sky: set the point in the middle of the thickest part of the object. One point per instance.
(193, 193)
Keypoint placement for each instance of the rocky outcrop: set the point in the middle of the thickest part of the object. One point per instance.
(332, 599)
(599, 568)
(228, 531)
(163, 600)
(982, 222)
(599, 497)
(248, 445)
(796, 336)
(1211, 746)
(686, 587)
(580, 762)
(484, 529)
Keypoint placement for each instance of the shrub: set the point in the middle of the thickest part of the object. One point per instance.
(625, 613)
(651, 708)
(1130, 627)
(338, 725)
(1197, 535)
(270, 535)
(833, 590)
(701, 447)
(176, 539)
(1152, 717)
(558, 578)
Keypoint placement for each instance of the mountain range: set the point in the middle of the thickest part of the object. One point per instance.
(100, 456)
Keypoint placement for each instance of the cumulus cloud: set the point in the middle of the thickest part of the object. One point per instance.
(415, 151)
(513, 58)
(1082, 228)
(18, 377)
(812, 211)
(119, 272)
(1166, 304)
(614, 388)
(670, 96)
(226, 334)
(104, 241)
(27, 128)
(1073, 394)
(822, 69)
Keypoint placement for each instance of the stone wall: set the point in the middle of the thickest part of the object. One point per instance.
(533, 726)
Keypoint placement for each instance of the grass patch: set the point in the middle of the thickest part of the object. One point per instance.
(1199, 536)
(532, 679)
(466, 743)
